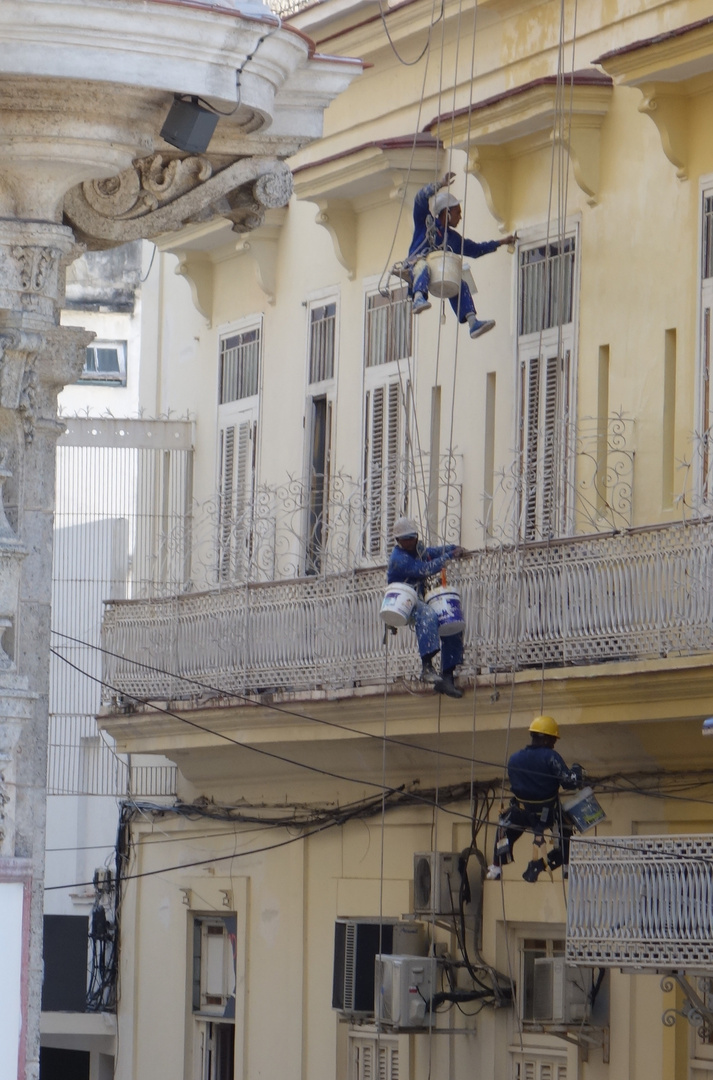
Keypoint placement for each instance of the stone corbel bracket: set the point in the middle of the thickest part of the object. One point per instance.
(669, 69)
(161, 194)
(497, 131)
(262, 247)
(347, 183)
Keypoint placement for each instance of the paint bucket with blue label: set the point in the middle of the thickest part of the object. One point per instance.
(583, 810)
(398, 603)
(446, 604)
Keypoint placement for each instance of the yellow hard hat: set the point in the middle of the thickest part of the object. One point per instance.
(545, 725)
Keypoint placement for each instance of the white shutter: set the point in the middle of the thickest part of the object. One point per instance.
(373, 1057)
(544, 437)
(236, 483)
(384, 473)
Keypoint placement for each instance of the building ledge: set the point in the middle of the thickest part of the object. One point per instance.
(669, 69)
(349, 182)
(497, 130)
(611, 714)
(73, 1023)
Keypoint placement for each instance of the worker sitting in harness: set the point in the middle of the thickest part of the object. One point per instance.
(436, 214)
(412, 563)
(536, 774)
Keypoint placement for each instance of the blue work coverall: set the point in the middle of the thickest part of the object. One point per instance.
(536, 774)
(427, 239)
(414, 570)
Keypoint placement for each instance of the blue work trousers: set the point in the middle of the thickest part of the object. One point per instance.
(425, 622)
(463, 305)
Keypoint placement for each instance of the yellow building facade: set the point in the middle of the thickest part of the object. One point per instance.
(568, 449)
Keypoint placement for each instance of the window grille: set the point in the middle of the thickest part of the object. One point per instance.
(322, 330)
(546, 286)
(707, 268)
(388, 327)
(240, 365)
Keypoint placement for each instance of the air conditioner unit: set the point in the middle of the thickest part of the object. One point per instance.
(403, 989)
(356, 944)
(436, 882)
(559, 994)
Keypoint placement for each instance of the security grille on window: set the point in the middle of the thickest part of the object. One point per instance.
(546, 286)
(105, 363)
(322, 331)
(240, 365)
(546, 334)
(388, 327)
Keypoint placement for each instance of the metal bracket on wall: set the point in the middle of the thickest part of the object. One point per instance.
(697, 1007)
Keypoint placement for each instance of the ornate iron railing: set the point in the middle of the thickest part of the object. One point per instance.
(645, 593)
(643, 902)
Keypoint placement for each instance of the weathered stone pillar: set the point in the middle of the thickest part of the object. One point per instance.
(37, 358)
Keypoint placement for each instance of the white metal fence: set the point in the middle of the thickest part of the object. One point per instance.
(641, 902)
(123, 498)
(647, 593)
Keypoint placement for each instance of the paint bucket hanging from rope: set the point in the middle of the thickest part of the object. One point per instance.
(445, 268)
(584, 810)
(445, 602)
(398, 603)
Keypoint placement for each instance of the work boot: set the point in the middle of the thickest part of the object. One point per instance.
(478, 327)
(428, 672)
(534, 869)
(445, 685)
(554, 858)
(420, 303)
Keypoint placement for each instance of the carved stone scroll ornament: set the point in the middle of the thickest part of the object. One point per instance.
(35, 366)
(160, 194)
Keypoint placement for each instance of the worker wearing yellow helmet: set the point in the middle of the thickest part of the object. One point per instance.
(536, 774)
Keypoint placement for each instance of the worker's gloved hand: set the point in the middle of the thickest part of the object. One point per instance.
(458, 553)
(447, 179)
(578, 774)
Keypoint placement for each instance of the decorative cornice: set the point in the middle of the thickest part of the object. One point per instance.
(346, 183)
(498, 129)
(669, 69)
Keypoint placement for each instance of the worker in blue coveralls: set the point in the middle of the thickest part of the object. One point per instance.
(536, 774)
(412, 563)
(436, 214)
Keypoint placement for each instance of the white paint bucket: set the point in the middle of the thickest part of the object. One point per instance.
(446, 604)
(584, 810)
(445, 271)
(398, 603)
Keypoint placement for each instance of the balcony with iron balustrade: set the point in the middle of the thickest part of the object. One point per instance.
(613, 633)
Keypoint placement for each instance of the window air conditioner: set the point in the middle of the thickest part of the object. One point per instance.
(559, 994)
(436, 882)
(356, 944)
(403, 988)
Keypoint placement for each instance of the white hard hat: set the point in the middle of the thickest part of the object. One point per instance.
(405, 526)
(440, 201)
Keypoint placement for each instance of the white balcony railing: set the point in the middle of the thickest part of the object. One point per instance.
(641, 902)
(646, 593)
